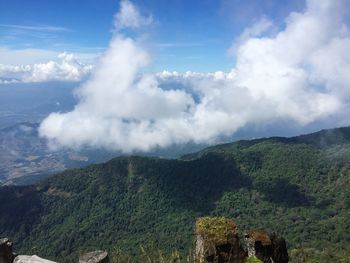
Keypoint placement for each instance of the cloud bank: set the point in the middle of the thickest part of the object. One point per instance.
(299, 74)
(67, 69)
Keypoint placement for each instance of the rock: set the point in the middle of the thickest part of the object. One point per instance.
(6, 254)
(279, 249)
(98, 256)
(259, 244)
(217, 241)
(31, 259)
(269, 248)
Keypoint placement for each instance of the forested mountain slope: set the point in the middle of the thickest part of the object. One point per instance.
(297, 186)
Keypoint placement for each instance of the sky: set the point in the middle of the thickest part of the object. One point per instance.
(159, 73)
(186, 35)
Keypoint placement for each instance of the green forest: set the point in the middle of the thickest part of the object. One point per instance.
(298, 187)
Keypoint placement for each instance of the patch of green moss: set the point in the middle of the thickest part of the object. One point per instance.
(216, 229)
(253, 260)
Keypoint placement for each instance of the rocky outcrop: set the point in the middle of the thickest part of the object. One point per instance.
(98, 256)
(258, 244)
(6, 254)
(269, 248)
(31, 259)
(217, 241)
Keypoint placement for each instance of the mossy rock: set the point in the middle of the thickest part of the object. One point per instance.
(218, 230)
(259, 235)
(253, 260)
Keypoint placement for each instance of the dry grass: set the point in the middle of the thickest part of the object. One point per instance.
(155, 256)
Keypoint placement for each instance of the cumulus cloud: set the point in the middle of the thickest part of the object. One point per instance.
(192, 75)
(256, 30)
(29, 56)
(299, 74)
(67, 69)
(129, 16)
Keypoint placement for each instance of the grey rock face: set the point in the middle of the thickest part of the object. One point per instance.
(31, 259)
(6, 254)
(98, 256)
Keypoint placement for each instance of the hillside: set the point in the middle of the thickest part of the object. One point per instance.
(25, 158)
(297, 186)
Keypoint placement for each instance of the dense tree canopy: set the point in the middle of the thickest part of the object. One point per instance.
(298, 187)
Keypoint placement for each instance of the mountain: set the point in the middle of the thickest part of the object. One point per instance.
(296, 186)
(25, 157)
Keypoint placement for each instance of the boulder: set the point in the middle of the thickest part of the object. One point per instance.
(269, 248)
(31, 259)
(217, 241)
(98, 256)
(6, 254)
(258, 244)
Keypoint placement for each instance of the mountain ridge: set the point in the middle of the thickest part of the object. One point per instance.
(321, 139)
(298, 189)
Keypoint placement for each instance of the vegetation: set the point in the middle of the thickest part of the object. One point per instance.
(253, 260)
(298, 187)
(216, 229)
(153, 256)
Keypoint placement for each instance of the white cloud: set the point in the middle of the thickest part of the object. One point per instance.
(117, 105)
(10, 56)
(67, 69)
(191, 75)
(129, 16)
(256, 30)
(40, 28)
(298, 75)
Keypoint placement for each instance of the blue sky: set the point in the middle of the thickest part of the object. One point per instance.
(187, 35)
